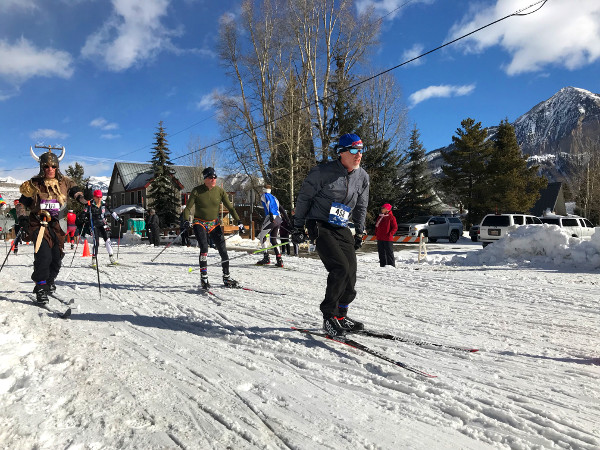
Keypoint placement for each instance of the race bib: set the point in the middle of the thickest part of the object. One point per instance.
(339, 214)
(52, 206)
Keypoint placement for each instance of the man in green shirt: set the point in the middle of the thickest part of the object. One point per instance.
(206, 200)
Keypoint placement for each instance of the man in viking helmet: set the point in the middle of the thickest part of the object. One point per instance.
(45, 196)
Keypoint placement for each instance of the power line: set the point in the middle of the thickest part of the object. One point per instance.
(516, 13)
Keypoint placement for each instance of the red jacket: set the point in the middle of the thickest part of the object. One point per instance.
(385, 227)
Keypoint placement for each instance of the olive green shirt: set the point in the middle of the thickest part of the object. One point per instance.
(206, 203)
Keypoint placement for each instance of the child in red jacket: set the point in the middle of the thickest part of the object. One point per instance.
(385, 227)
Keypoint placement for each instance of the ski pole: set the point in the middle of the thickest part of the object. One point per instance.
(11, 248)
(191, 269)
(168, 245)
(119, 241)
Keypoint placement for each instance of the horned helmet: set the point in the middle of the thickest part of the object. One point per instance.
(49, 159)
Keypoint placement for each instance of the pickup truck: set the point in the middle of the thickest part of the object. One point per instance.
(433, 227)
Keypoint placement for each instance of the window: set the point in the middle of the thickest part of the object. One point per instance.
(496, 221)
(132, 198)
(588, 223)
(518, 220)
(570, 223)
(454, 220)
(123, 198)
(551, 221)
(139, 197)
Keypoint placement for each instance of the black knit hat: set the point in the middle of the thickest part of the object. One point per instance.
(209, 172)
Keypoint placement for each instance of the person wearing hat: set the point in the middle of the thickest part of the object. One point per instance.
(385, 228)
(17, 227)
(45, 195)
(153, 228)
(332, 195)
(205, 200)
(271, 226)
(100, 225)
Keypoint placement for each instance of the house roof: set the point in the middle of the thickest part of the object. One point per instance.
(138, 175)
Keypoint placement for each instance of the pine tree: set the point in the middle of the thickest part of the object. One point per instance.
(165, 197)
(513, 187)
(76, 174)
(418, 196)
(465, 169)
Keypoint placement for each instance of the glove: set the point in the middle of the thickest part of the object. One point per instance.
(185, 225)
(298, 236)
(120, 221)
(241, 227)
(358, 240)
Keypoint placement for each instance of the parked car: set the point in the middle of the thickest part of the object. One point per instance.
(576, 226)
(433, 227)
(474, 233)
(495, 226)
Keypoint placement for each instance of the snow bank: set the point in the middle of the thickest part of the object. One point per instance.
(538, 244)
(130, 238)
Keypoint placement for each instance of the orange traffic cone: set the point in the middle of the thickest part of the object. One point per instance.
(86, 249)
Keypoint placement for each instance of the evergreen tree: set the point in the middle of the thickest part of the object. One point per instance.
(380, 162)
(418, 195)
(465, 169)
(165, 196)
(76, 174)
(513, 187)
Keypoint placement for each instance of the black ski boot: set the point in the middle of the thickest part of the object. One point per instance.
(351, 325)
(204, 281)
(279, 262)
(333, 328)
(41, 293)
(265, 261)
(229, 282)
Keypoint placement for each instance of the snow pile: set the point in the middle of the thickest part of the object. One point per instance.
(130, 238)
(538, 244)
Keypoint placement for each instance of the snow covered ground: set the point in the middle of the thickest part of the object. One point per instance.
(154, 363)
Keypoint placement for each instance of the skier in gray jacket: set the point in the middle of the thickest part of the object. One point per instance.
(333, 194)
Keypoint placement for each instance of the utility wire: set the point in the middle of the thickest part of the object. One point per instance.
(453, 41)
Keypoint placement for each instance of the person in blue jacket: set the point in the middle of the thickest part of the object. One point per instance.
(271, 226)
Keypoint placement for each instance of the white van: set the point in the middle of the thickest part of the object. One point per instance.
(576, 226)
(495, 226)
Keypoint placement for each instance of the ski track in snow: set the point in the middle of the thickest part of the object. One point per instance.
(156, 363)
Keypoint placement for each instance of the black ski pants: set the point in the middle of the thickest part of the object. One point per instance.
(218, 238)
(47, 261)
(386, 253)
(335, 247)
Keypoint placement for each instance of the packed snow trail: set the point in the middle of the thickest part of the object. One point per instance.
(156, 363)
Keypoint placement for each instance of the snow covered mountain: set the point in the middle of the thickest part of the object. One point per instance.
(566, 124)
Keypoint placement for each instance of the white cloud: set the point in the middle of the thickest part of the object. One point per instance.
(133, 34)
(110, 136)
(103, 124)
(12, 5)
(388, 8)
(440, 91)
(46, 133)
(22, 61)
(209, 100)
(562, 33)
(413, 52)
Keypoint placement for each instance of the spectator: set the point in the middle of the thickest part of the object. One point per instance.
(385, 228)
(153, 228)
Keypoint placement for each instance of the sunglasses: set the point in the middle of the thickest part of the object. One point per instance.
(50, 167)
(212, 178)
(352, 150)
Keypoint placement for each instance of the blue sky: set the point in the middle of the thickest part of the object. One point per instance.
(97, 76)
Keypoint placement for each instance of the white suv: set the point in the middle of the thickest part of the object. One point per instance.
(576, 226)
(496, 226)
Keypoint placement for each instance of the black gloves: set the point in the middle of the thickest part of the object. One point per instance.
(358, 240)
(298, 236)
(241, 227)
(185, 225)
